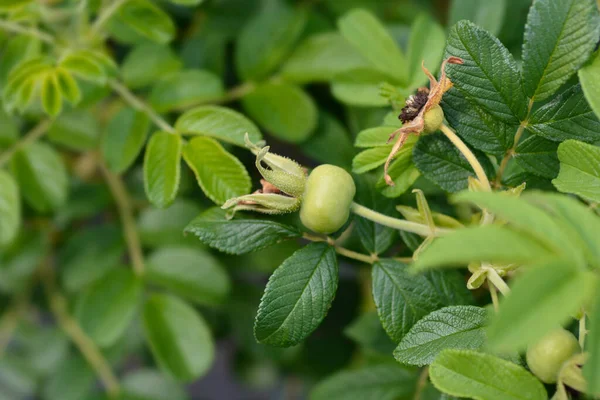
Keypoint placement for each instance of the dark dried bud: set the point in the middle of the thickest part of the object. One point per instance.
(414, 104)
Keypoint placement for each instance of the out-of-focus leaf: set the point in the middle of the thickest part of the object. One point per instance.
(184, 89)
(487, 14)
(10, 209)
(147, 63)
(77, 130)
(579, 169)
(124, 138)
(148, 20)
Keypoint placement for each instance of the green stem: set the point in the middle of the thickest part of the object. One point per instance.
(26, 30)
(421, 383)
(400, 224)
(494, 295)
(138, 104)
(123, 201)
(105, 16)
(497, 281)
(342, 250)
(58, 306)
(33, 135)
(582, 331)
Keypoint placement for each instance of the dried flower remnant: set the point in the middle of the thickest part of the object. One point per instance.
(417, 105)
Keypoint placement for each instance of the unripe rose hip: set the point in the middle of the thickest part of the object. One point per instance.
(546, 357)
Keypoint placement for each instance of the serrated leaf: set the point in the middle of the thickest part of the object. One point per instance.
(455, 327)
(238, 236)
(107, 308)
(579, 169)
(559, 37)
(591, 369)
(75, 129)
(536, 306)
(189, 273)
(443, 164)
(267, 38)
(284, 110)
(450, 287)
(219, 173)
(162, 168)
(184, 89)
(124, 138)
(425, 46)
(51, 95)
(466, 373)
(219, 122)
(588, 77)
(178, 336)
(402, 298)
(477, 127)
(489, 76)
(538, 156)
(147, 20)
(374, 237)
(568, 116)
(147, 63)
(381, 382)
(10, 209)
(320, 57)
(42, 176)
(298, 296)
(371, 39)
(490, 243)
(487, 14)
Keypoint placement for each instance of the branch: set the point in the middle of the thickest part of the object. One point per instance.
(33, 135)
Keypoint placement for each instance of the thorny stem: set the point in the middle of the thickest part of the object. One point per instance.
(497, 281)
(25, 30)
(105, 16)
(138, 104)
(400, 224)
(123, 201)
(342, 250)
(511, 152)
(58, 306)
(37, 132)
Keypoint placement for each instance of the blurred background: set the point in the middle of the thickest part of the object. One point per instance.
(37, 360)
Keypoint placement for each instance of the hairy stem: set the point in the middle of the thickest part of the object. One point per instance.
(58, 306)
(342, 250)
(139, 105)
(400, 224)
(468, 154)
(37, 132)
(123, 201)
(26, 30)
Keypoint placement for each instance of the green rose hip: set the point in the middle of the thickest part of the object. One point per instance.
(327, 198)
(546, 357)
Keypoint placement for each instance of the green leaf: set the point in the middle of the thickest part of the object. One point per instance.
(579, 171)
(219, 173)
(147, 63)
(238, 236)
(184, 89)
(372, 40)
(320, 57)
(73, 380)
(51, 96)
(443, 164)
(450, 287)
(188, 3)
(367, 332)
(298, 296)
(374, 137)
(489, 76)
(42, 176)
(124, 138)
(189, 273)
(84, 65)
(147, 20)
(107, 308)
(162, 168)
(284, 110)
(591, 369)
(541, 298)
(568, 116)
(490, 243)
(359, 87)
(588, 77)
(67, 85)
(466, 373)
(10, 209)
(78, 130)
(476, 126)
(538, 156)
(456, 327)
(219, 122)
(402, 298)
(403, 172)
(381, 382)
(559, 37)
(165, 227)
(12, 4)
(178, 336)
(425, 46)
(16, 51)
(487, 14)
(150, 384)
(267, 38)
(330, 133)
(370, 159)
